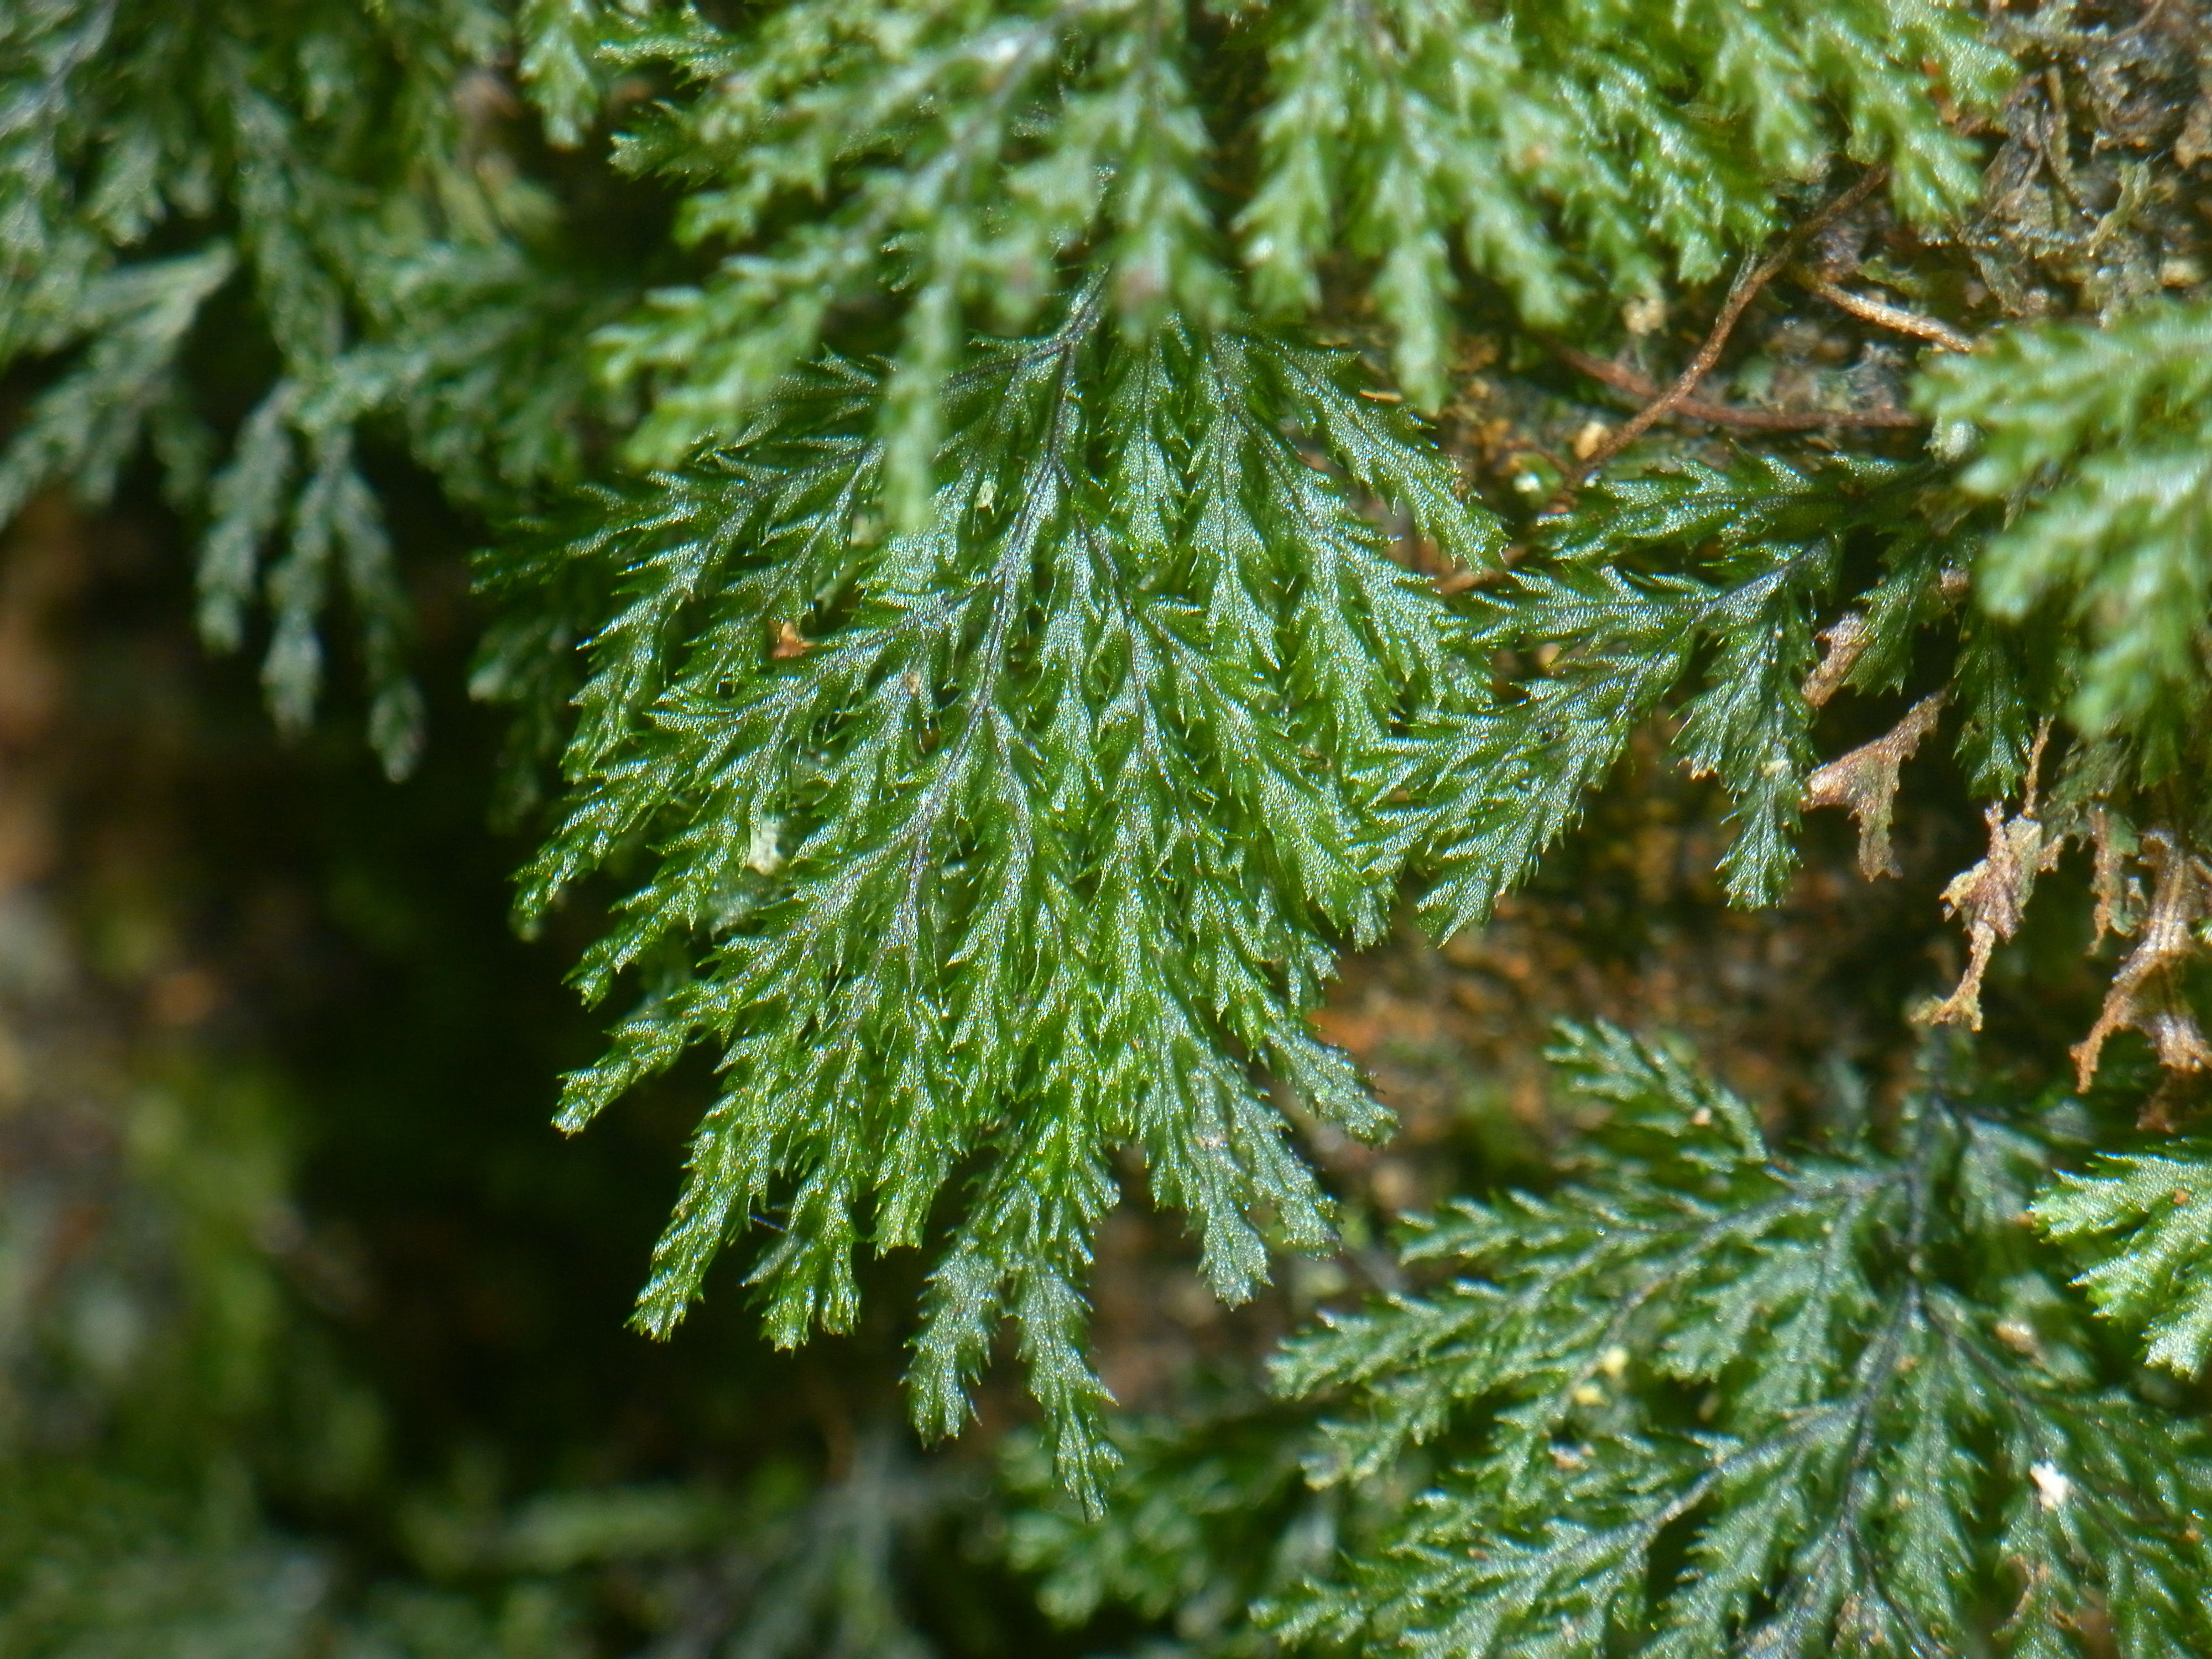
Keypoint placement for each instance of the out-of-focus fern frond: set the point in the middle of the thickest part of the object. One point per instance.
(341, 173)
(961, 154)
(2100, 442)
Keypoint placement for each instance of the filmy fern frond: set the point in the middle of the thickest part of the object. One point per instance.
(1843, 1393)
(1646, 579)
(956, 156)
(2102, 439)
(1012, 840)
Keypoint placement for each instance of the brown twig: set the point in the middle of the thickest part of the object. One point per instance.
(1741, 293)
(1621, 378)
(1882, 314)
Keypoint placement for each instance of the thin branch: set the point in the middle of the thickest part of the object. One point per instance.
(1741, 293)
(1624, 378)
(1883, 314)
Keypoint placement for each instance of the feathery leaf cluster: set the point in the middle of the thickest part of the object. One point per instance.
(337, 175)
(1706, 1399)
(953, 158)
(1097, 759)
(887, 181)
(1018, 725)
(1018, 681)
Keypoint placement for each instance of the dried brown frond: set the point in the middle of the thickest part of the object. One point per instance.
(2119, 895)
(1865, 780)
(1991, 897)
(1846, 640)
(2146, 995)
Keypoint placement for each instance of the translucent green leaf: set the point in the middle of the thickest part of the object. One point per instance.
(1003, 843)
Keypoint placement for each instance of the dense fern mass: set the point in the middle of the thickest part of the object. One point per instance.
(1841, 1390)
(966, 151)
(1016, 537)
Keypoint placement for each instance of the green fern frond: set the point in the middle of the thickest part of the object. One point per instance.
(2143, 1223)
(330, 164)
(955, 155)
(1005, 843)
(2100, 440)
(1646, 579)
(1654, 137)
(1708, 1399)
(88, 424)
